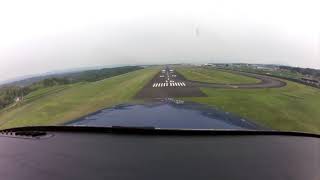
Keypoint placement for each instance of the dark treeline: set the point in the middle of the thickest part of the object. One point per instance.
(304, 71)
(9, 95)
(96, 75)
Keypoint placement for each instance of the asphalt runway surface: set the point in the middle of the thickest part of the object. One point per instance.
(169, 83)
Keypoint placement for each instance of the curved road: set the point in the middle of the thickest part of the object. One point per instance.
(265, 82)
(169, 83)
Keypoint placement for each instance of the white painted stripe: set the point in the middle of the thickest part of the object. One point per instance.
(161, 84)
(178, 84)
(175, 84)
(166, 84)
(153, 85)
(170, 84)
(183, 84)
(156, 84)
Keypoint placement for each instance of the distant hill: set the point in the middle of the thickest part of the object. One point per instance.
(13, 92)
(61, 103)
(96, 75)
(84, 75)
(28, 81)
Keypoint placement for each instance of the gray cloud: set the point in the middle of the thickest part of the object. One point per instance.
(190, 36)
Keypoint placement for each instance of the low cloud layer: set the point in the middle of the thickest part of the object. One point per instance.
(40, 36)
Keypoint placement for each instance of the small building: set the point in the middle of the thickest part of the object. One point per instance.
(18, 99)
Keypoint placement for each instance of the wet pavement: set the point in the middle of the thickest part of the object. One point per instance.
(167, 113)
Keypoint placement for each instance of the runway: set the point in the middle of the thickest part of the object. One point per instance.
(169, 83)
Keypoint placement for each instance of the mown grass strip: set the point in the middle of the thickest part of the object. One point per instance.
(294, 107)
(53, 106)
(214, 76)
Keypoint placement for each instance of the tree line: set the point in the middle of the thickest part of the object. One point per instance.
(304, 71)
(8, 95)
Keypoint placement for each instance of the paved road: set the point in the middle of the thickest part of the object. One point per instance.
(169, 83)
(265, 82)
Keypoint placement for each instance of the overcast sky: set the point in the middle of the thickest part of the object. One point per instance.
(38, 36)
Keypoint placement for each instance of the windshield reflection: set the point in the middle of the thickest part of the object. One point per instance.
(168, 113)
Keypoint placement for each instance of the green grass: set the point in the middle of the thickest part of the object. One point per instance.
(279, 73)
(35, 95)
(56, 105)
(214, 76)
(295, 107)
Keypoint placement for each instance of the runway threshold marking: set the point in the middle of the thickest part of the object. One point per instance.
(171, 84)
(167, 81)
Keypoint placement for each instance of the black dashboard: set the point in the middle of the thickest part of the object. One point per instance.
(145, 153)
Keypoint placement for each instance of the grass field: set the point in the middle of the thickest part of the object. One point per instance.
(60, 104)
(214, 76)
(295, 107)
(278, 73)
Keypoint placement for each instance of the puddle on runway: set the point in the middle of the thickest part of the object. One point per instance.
(165, 114)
